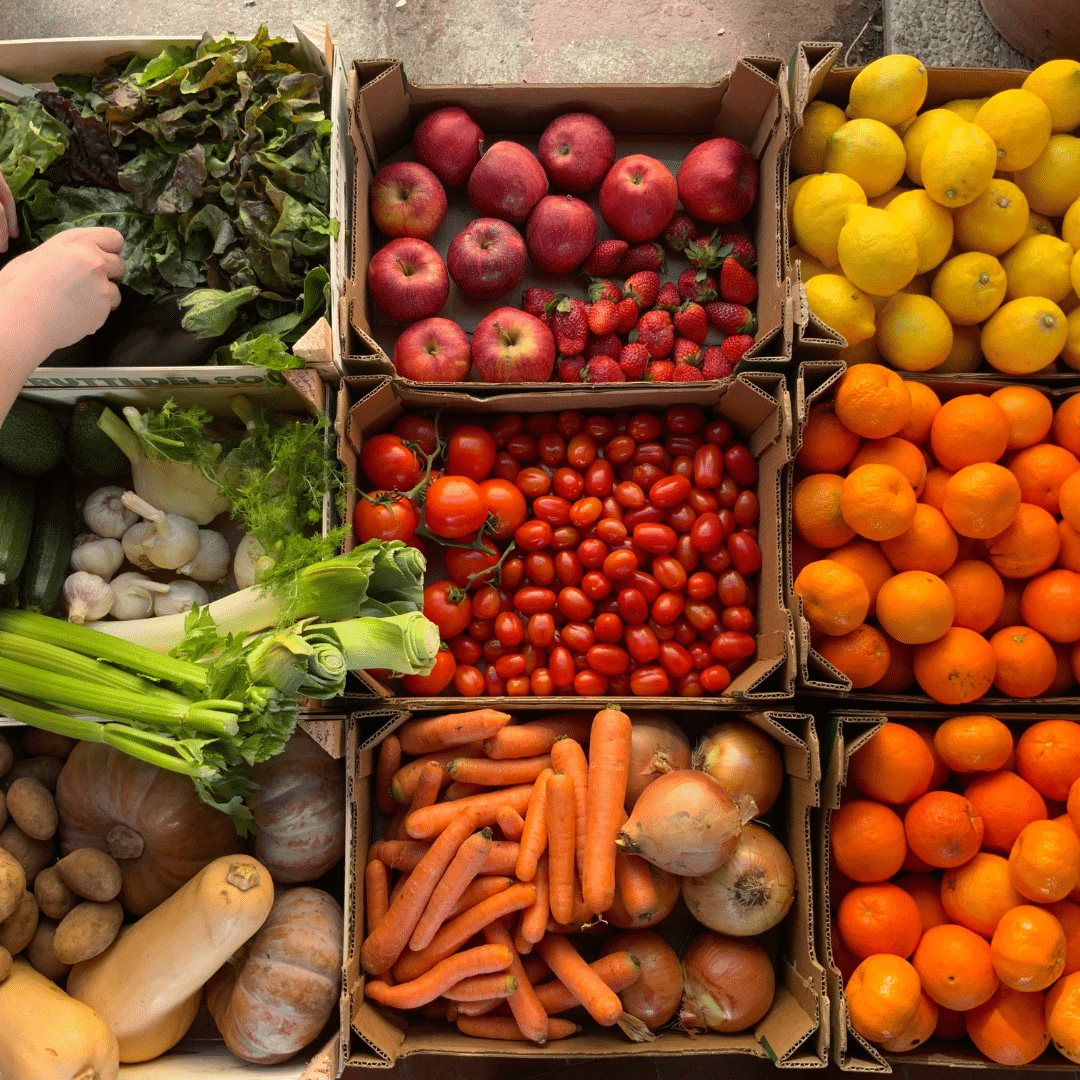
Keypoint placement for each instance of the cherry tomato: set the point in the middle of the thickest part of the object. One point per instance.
(727, 493)
(581, 451)
(585, 511)
(485, 602)
(644, 427)
(700, 614)
(534, 656)
(539, 423)
(684, 632)
(595, 585)
(509, 665)
(388, 463)
(689, 685)
(602, 428)
(523, 448)
(700, 655)
(645, 584)
(505, 428)
(608, 659)
(667, 607)
(619, 450)
(417, 429)
(699, 586)
(561, 666)
(505, 467)
(540, 568)
(646, 475)
(533, 599)
(669, 572)
(395, 519)
(463, 564)
(513, 573)
(470, 451)
(745, 511)
(541, 683)
(468, 680)
(532, 481)
(733, 645)
(715, 678)
(533, 535)
(651, 453)
(454, 506)
(739, 618)
(641, 643)
(745, 553)
(553, 509)
(717, 561)
(466, 650)
(649, 681)
(707, 533)
(675, 660)
(731, 588)
(482, 630)
(685, 553)
(568, 483)
(552, 448)
(612, 509)
(619, 564)
(655, 538)
(610, 530)
(643, 515)
(718, 432)
(540, 629)
(683, 446)
(568, 568)
(577, 636)
(663, 633)
(565, 537)
(708, 466)
(669, 491)
(702, 501)
(495, 686)
(570, 423)
(574, 604)
(632, 607)
(629, 495)
(683, 466)
(684, 419)
(740, 465)
(681, 518)
(599, 478)
(608, 629)
(509, 630)
(589, 683)
(436, 681)
(505, 504)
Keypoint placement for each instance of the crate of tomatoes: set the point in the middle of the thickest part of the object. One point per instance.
(605, 550)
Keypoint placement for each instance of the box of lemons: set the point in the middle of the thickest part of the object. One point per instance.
(994, 221)
(821, 205)
(926, 126)
(1052, 182)
(1024, 335)
(820, 120)
(1057, 82)
(1038, 266)
(877, 250)
(958, 164)
(891, 89)
(842, 306)
(1019, 123)
(931, 225)
(969, 288)
(913, 332)
(867, 151)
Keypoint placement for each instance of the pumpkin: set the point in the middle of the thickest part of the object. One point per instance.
(149, 819)
(276, 996)
(299, 809)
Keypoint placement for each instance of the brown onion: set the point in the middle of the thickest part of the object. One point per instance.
(657, 746)
(685, 822)
(748, 894)
(744, 759)
(655, 997)
(667, 890)
(728, 983)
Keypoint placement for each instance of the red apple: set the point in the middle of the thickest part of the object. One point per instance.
(408, 280)
(507, 182)
(576, 150)
(638, 198)
(561, 233)
(512, 346)
(718, 181)
(449, 142)
(433, 350)
(407, 199)
(487, 257)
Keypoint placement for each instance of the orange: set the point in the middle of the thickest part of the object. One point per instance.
(1048, 757)
(1044, 863)
(918, 1031)
(872, 401)
(950, 1025)
(877, 501)
(954, 967)
(861, 654)
(979, 892)
(834, 598)
(915, 607)
(867, 840)
(925, 890)
(967, 430)
(1010, 606)
(957, 668)
(1006, 803)
(1050, 603)
(924, 406)
(1010, 1028)
(899, 453)
(977, 592)
(928, 544)
(827, 446)
(1029, 413)
(1026, 547)
(867, 560)
(803, 553)
(1069, 554)
(1069, 499)
(815, 509)
(893, 766)
(1025, 662)
(879, 918)
(933, 492)
(1028, 948)
(900, 674)
(883, 995)
(1072, 804)
(844, 960)
(943, 828)
(1063, 1015)
(1065, 430)
(941, 770)
(1067, 912)
(973, 743)
(1041, 471)
(981, 500)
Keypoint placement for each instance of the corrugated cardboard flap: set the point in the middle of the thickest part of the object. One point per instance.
(810, 63)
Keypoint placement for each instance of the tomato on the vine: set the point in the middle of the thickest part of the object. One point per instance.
(470, 451)
(380, 516)
(464, 563)
(448, 607)
(418, 429)
(454, 506)
(505, 504)
(436, 681)
(389, 464)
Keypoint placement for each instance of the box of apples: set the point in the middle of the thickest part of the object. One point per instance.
(562, 235)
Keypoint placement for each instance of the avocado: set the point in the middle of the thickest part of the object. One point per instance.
(31, 439)
(89, 449)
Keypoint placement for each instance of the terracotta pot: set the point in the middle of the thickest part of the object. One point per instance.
(1048, 30)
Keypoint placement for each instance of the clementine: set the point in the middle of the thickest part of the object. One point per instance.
(868, 561)
(950, 1025)
(925, 890)
(827, 446)
(957, 668)
(815, 510)
(1048, 757)
(1067, 912)
(867, 840)
(1069, 554)
(943, 828)
(981, 500)
(900, 674)
(1050, 604)
(1006, 803)
(879, 918)
(973, 743)
(1044, 863)
(977, 592)
(877, 501)
(883, 995)
(915, 607)
(954, 967)
(1063, 1015)
(1069, 499)
(872, 401)
(967, 430)
(901, 454)
(1028, 948)
(933, 492)
(977, 893)
(834, 598)
(918, 1031)
(929, 543)
(893, 766)
(1065, 430)
(924, 406)
(1029, 413)
(1027, 546)
(1040, 471)
(1010, 1028)
(1025, 663)
(862, 655)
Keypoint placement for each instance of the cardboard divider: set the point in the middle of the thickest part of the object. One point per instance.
(794, 1033)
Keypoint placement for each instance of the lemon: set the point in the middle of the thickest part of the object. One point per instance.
(820, 120)
(1024, 335)
(1070, 226)
(930, 224)
(808, 266)
(1039, 223)
(969, 287)
(877, 250)
(1070, 354)
(1019, 123)
(1038, 266)
(890, 89)
(913, 333)
(958, 165)
(841, 306)
(881, 202)
(994, 221)
(867, 151)
(1074, 273)
(1057, 82)
(926, 126)
(965, 108)
(1052, 182)
(965, 355)
(818, 213)
(864, 353)
(793, 190)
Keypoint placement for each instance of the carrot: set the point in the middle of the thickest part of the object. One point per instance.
(422, 736)
(428, 786)
(521, 946)
(534, 835)
(431, 820)
(462, 869)
(482, 770)
(376, 893)
(439, 978)
(510, 822)
(570, 969)
(580, 917)
(617, 971)
(404, 780)
(480, 888)
(399, 885)
(385, 943)
(388, 764)
(609, 767)
(473, 1008)
(395, 830)
(536, 736)
(506, 1027)
(462, 791)
(524, 1004)
(406, 854)
(635, 886)
(482, 987)
(503, 857)
(535, 968)
(560, 825)
(534, 918)
(567, 756)
(457, 931)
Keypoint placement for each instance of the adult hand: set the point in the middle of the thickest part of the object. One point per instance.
(9, 223)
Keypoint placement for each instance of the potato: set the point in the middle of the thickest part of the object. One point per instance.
(32, 808)
(7, 756)
(91, 874)
(12, 883)
(17, 930)
(41, 955)
(34, 855)
(86, 930)
(54, 898)
(45, 768)
(36, 741)
(5, 963)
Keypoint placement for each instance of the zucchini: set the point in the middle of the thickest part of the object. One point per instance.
(16, 523)
(51, 538)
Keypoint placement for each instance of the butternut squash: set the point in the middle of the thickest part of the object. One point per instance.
(47, 1035)
(140, 984)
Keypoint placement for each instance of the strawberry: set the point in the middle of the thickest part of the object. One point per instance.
(659, 371)
(634, 359)
(714, 364)
(686, 351)
(686, 373)
(628, 312)
(730, 318)
(607, 345)
(706, 252)
(734, 346)
(643, 287)
(681, 229)
(535, 300)
(691, 322)
(668, 297)
(742, 248)
(604, 258)
(602, 317)
(604, 369)
(603, 289)
(655, 332)
(648, 256)
(570, 368)
(737, 284)
(569, 324)
(698, 286)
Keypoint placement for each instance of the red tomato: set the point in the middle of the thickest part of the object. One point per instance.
(717, 561)
(699, 586)
(533, 599)
(585, 511)
(669, 572)
(466, 650)
(619, 450)
(643, 515)
(468, 681)
(619, 564)
(745, 553)
(509, 630)
(532, 481)
(708, 466)
(739, 618)
(629, 495)
(702, 501)
(541, 683)
(448, 607)
(608, 659)
(644, 427)
(567, 483)
(741, 466)
(565, 537)
(388, 463)
(505, 467)
(700, 655)
(595, 585)
(540, 568)
(733, 645)
(599, 477)
(394, 519)
(683, 466)
(561, 666)
(682, 447)
(470, 451)
(731, 588)
(685, 553)
(633, 607)
(495, 686)
(608, 629)
(482, 629)
(649, 681)
(603, 428)
(642, 643)
(700, 615)
(539, 423)
(684, 419)
(610, 530)
(574, 604)
(540, 629)
(655, 538)
(718, 432)
(577, 636)
(681, 518)
(552, 448)
(417, 429)
(466, 566)
(715, 678)
(505, 504)
(727, 494)
(589, 683)
(509, 665)
(669, 491)
(513, 573)
(570, 423)
(651, 453)
(436, 681)
(581, 451)
(675, 660)
(518, 686)
(454, 506)
(485, 602)
(667, 607)
(745, 510)
(707, 533)
(523, 447)
(553, 509)
(533, 535)
(568, 568)
(689, 685)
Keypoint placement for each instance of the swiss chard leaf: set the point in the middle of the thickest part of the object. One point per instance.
(30, 141)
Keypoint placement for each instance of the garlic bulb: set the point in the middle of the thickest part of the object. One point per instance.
(166, 540)
(101, 555)
(182, 596)
(248, 553)
(211, 562)
(133, 595)
(105, 513)
(88, 597)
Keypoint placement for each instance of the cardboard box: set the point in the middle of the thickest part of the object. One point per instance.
(757, 406)
(794, 1032)
(36, 61)
(666, 121)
